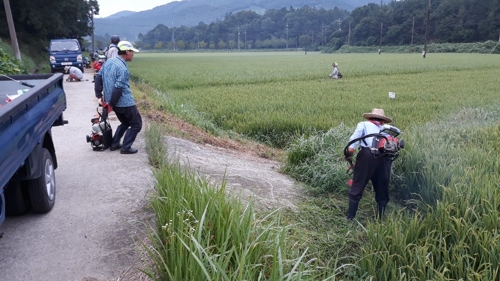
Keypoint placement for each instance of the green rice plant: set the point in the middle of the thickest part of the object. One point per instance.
(155, 146)
(275, 98)
(316, 160)
(454, 234)
(201, 233)
(448, 173)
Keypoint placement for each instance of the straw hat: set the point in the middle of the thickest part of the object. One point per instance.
(335, 64)
(379, 114)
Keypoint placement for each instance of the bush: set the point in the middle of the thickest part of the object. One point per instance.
(9, 64)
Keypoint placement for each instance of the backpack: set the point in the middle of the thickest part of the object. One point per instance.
(108, 48)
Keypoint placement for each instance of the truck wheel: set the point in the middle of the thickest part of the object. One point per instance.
(42, 190)
(16, 203)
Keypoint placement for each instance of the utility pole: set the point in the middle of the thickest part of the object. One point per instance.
(322, 34)
(339, 25)
(245, 39)
(238, 38)
(173, 34)
(12, 30)
(380, 45)
(412, 30)
(92, 24)
(424, 54)
(349, 35)
(287, 35)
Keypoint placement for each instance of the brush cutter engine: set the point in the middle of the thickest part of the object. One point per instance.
(384, 144)
(101, 136)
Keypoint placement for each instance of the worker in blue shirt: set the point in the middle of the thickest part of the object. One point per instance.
(368, 167)
(113, 80)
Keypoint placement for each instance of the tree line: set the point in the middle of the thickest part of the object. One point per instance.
(394, 23)
(36, 22)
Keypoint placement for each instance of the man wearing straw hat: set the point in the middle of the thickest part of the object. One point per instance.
(368, 167)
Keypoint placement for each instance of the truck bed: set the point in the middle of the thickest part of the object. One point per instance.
(9, 87)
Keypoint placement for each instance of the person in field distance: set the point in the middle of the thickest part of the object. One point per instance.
(335, 72)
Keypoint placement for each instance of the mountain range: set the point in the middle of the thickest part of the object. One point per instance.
(189, 13)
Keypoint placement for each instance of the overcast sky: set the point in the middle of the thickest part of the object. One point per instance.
(109, 7)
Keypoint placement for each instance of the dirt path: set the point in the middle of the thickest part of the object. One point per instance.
(102, 199)
(246, 175)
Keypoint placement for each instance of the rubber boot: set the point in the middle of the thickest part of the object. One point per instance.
(120, 131)
(128, 140)
(381, 210)
(353, 208)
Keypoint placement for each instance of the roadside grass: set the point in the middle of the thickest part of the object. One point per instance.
(446, 177)
(202, 233)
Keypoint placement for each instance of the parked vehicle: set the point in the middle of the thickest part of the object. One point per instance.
(65, 52)
(30, 105)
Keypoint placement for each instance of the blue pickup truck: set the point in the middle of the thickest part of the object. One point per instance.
(30, 105)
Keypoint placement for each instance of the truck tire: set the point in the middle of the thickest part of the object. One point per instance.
(42, 190)
(16, 203)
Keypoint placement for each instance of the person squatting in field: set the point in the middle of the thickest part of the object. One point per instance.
(368, 167)
(113, 80)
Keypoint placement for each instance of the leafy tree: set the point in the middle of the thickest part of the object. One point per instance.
(37, 22)
(181, 45)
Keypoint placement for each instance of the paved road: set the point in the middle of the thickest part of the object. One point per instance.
(100, 205)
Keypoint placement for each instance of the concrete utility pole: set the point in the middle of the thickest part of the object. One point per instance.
(424, 53)
(287, 36)
(412, 30)
(380, 46)
(12, 30)
(349, 35)
(238, 38)
(245, 39)
(173, 34)
(92, 22)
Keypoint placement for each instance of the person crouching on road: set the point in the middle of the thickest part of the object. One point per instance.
(367, 167)
(113, 79)
(75, 74)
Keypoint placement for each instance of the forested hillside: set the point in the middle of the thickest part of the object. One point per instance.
(392, 23)
(191, 12)
(395, 23)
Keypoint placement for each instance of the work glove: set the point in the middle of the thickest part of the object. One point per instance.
(108, 107)
(348, 154)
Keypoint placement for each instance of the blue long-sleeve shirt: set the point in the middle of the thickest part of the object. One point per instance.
(362, 129)
(114, 73)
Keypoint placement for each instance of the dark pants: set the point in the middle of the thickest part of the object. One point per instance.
(367, 168)
(131, 125)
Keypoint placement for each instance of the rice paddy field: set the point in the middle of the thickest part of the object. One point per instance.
(446, 180)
